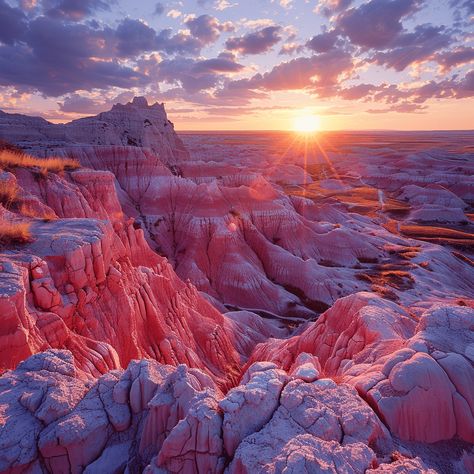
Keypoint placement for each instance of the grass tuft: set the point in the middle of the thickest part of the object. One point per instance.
(27, 210)
(15, 233)
(8, 194)
(13, 159)
(4, 145)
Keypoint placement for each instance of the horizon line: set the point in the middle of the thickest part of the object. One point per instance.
(325, 131)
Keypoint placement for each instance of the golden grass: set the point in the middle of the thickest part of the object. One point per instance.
(15, 233)
(28, 211)
(11, 159)
(8, 194)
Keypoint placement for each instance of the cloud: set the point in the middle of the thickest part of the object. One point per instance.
(134, 37)
(196, 75)
(174, 13)
(377, 23)
(290, 48)
(78, 104)
(56, 59)
(221, 5)
(81, 105)
(466, 86)
(255, 43)
(218, 5)
(159, 9)
(257, 23)
(12, 23)
(20, 67)
(28, 4)
(357, 92)
(404, 107)
(417, 46)
(468, 5)
(329, 7)
(457, 57)
(179, 43)
(313, 73)
(323, 42)
(206, 28)
(224, 63)
(60, 48)
(74, 10)
(410, 99)
(236, 93)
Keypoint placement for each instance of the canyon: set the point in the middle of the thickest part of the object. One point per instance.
(235, 302)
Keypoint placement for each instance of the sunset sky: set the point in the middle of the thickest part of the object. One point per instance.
(253, 64)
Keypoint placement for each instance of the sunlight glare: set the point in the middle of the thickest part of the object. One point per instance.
(307, 123)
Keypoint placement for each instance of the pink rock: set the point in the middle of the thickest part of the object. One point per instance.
(170, 404)
(248, 407)
(406, 372)
(403, 466)
(311, 424)
(306, 367)
(43, 389)
(96, 288)
(195, 444)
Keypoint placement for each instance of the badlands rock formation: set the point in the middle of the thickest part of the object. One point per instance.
(134, 124)
(268, 306)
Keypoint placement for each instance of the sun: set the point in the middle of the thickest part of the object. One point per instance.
(307, 123)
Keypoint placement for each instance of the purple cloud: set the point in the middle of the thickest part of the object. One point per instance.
(417, 46)
(255, 43)
(357, 92)
(206, 28)
(134, 37)
(159, 9)
(225, 62)
(329, 7)
(76, 103)
(196, 75)
(57, 58)
(323, 42)
(12, 23)
(291, 48)
(458, 57)
(404, 107)
(74, 10)
(178, 43)
(19, 66)
(468, 5)
(376, 24)
(318, 71)
(410, 100)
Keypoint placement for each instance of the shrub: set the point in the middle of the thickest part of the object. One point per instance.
(15, 233)
(12, 159)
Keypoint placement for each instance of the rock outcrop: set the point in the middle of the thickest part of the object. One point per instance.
(90, 283)
(134, 125)
(406, 368)
(159, 418)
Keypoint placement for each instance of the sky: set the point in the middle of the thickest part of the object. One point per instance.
(244, 65)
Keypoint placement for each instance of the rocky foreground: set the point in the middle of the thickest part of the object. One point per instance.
(211, 312)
